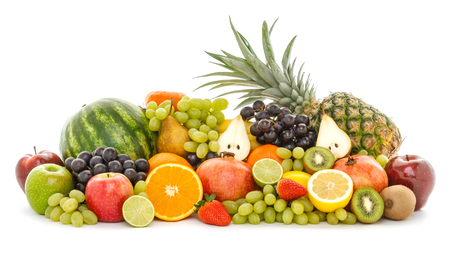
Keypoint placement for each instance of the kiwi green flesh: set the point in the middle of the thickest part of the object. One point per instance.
(318, 158)
(367, 205)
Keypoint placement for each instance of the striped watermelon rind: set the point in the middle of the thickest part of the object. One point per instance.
(108, 122)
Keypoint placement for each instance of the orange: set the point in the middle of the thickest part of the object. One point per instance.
(173, 190)
(162, 158)
(160, 96)
(264, 151)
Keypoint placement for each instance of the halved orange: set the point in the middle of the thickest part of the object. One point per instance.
(330, 189)
(164, 157)
(173, 190)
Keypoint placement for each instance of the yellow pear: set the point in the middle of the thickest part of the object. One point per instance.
(235, 139)
(333, 138)
(172, 137)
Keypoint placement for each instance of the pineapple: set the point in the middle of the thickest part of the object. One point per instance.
(367, 127)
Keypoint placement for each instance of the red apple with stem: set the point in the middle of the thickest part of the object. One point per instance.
(413, 172)
(106, 193)
(30, 161)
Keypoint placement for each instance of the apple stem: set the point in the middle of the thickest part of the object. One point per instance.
(35, 150)
(407, 158)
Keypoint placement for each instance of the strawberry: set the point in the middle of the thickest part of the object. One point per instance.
(212, 211)
(289, 189)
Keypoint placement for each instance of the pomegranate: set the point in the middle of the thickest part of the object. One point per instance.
(364, 171)
(228, 178)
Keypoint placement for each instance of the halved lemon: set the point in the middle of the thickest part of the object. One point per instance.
(138, 211)
(330, 189)
(267, 171)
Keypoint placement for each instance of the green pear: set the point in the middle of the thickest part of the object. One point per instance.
(172, 137)
(333, 138)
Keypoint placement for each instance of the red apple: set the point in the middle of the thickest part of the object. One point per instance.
(105, 195)
(29, 162)
(228, 178)
(413, 172)
(364, 171)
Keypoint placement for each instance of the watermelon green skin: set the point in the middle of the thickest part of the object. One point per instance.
(108, 122)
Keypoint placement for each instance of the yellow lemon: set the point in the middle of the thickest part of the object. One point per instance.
(298, 176)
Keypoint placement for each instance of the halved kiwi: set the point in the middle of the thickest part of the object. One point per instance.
(367, 205)
(317, 158)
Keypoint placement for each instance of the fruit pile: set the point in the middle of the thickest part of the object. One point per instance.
(293, 159)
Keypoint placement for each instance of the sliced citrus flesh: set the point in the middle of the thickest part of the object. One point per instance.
(267, 171)
(173, 189)
(138, 211)
(330, 189)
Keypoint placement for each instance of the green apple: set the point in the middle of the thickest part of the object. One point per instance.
(45, 180)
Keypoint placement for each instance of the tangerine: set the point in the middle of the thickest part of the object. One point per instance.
(264, 151)
(160, 96)
(164, 157)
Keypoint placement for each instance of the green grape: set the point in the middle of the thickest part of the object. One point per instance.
(185, 98)
(245, 209)
(139, 187)
(322, 215)
(202, 150)
(307, 204)
(382, 160)
(216, 128)
(269, 215)
(241, 201)
(164, 104)
(288, 215)
(196, 103)
(254, 218)
(332, 219)
(301, 219)
(268, 189)
(313, 218)
(89, 217)
(341, 214)
(270, 199)
(70, 205)
(214, 146)
(211, 121)
(48, 211)
(204, 128)
(260, 206)
(219, 104)
(194, 113)
(219, 116)
(170, 109)
(77, 219)
(297, 165)
(207, 104)
(279, 217)
(231, 206)
(161, 113)
(183, 105)
(363, 152)
(54, 199)
(150, 113)
(239, 219)
(191, 146)
(199, 137)
(152, 105)
(191, 131)
(205, 115)
(143, 194)
(155, 124)
(254, 196)
(82, 207)
(78, 195)
(284, 153)
(351, 219)
(286, 164)
(66, 218)
(261, 216)
(193, 123)
(213, 135)
(297, 207)
(280, 205)
(182, 117)
(298, 152)
(56, 213)
(61, 202)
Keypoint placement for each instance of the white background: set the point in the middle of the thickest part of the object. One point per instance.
(56, 56)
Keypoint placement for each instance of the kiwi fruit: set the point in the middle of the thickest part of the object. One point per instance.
(399, 202)
(367, 205)
(317, 158)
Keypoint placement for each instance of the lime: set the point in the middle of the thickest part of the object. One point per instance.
(138, 211)
(267, 171)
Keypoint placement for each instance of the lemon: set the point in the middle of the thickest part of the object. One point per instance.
(330, 189)
(267, 171)
(298, 176)
(138, 211)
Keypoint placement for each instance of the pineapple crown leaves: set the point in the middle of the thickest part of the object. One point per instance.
(208, 198)
(263, 80)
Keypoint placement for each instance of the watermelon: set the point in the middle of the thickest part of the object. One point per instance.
(108, 122)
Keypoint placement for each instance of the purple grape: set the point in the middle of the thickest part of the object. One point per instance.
(264, 125)
(99, 168)
(254, 129)
(131, 174)
(300, 130)
(84, 176)
(142, 165)
(273, 110)
(115, 166)
(258, 105)
(288, 121)
(123, 157)
(247, 112)
(302, 118)
(95, 160)
(304, 143)
(288, 135)
(270, 136)
(262, 115)
(78, 165)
